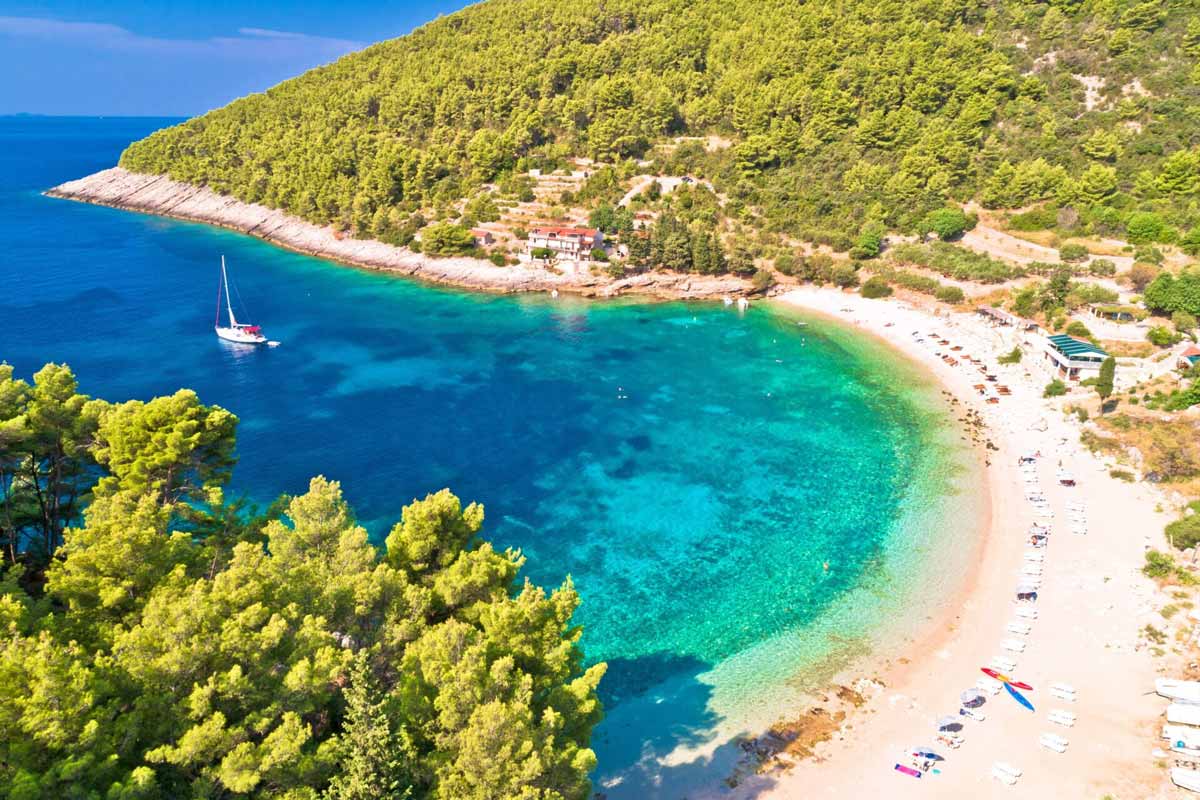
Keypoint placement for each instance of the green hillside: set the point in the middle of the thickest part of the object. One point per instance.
(841, 114)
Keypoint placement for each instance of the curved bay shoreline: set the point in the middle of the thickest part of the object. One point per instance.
(159, 195)
(1083, 637)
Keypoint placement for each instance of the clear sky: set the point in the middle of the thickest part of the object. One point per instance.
(179, 57)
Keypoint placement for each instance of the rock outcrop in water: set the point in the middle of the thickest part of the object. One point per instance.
(157, 194)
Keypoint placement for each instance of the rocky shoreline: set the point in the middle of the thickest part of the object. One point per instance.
(159, 195)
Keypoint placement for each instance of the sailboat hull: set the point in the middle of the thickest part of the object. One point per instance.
(240, 336)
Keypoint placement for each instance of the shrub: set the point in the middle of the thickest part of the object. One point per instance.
(875, 287)
(786, 264)
(844, 276)
(947, 223)
(1121, 475)
(762, 280)
(950, 294)
(1054, 388)
(1158, 565)
(599, 254)
(1073, 253)
(1145, 227)
(1141, 274)
(955, 262)
(1078, 329)
(1183, 321)
(1103, 267)
(498, 258)
(1184, 532)
(446, 239)
(1151, 255)
(1162, 336)
(1012, 357)
(1039, 219)
(541, 252)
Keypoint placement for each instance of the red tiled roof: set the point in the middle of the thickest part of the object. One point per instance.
(589, 233)
(1191, 351)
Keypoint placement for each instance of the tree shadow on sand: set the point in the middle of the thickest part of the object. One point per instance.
(660, 738)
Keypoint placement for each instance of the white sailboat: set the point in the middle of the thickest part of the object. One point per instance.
(239, 332)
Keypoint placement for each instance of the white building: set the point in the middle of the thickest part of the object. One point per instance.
(571, 244)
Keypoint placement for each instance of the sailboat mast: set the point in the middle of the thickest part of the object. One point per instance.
(217, 315)
(228, 303)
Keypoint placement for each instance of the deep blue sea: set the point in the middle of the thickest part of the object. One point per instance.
(739, 499)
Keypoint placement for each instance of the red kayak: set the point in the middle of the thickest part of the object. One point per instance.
(1000, 676)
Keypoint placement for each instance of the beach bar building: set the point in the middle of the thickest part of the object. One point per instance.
(1073, 357)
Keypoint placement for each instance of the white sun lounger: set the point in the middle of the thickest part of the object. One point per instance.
(1062, 695)
(989, 685)
(1064, 687)
(1018, 627)
(1052, 741)
(978, 716)
(1035, 556)
(1013, 645)
(1045, 512)
(1003, 664)
(1026, 612)
(1032, 569)
(1004, 766)
(1064, 718)
(1003, 777)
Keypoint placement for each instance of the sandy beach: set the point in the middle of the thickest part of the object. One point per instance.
(1091, 606)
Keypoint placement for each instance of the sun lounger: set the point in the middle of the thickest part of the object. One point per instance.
(1003, 777)
(1004, 766)
(978, 716)
(1018, 627)
(1032, 569)
(1052, 741)
(1031, 556)
(1065, 687)
(1013, 645)
(989, 685)
(1062, 695)
(1003, 663)
(1064, 718)
(1026, 612)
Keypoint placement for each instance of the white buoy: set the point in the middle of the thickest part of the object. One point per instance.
(554, 292)
(728, 300)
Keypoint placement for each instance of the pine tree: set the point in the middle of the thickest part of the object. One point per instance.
(375, 765)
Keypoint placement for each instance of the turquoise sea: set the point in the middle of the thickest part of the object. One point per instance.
(744, 503)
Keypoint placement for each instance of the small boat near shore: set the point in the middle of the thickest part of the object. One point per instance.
(236, 332)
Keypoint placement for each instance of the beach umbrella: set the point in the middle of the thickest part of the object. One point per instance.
(927, 753)
(971, 698)
(949, 724)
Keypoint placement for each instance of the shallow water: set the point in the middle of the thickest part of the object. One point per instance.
(736, 497)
